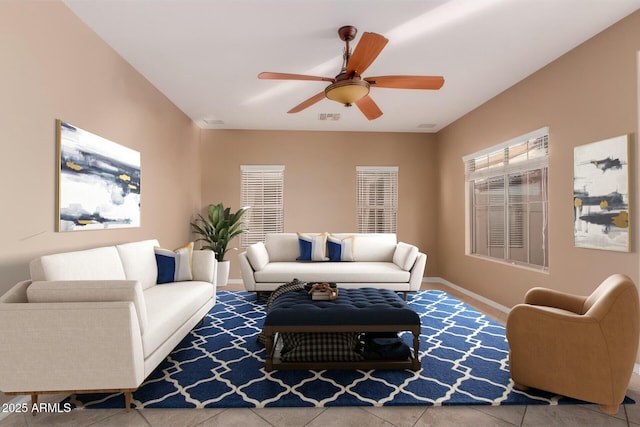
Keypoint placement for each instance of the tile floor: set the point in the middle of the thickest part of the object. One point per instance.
(476, 416)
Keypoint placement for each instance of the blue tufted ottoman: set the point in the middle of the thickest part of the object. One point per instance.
(355, 310)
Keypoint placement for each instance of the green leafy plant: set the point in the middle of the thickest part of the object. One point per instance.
(219, 228)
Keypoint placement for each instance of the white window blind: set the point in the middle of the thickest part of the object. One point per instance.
(507, 196)
(377, 199)
(262, 189)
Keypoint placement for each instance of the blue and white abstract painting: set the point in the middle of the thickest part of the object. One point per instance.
(99, 182)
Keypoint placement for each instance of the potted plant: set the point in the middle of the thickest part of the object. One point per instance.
(217, 230)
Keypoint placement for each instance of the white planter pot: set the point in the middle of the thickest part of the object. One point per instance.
(222, 276)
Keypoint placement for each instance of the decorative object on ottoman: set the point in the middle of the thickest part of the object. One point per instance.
(322, 291)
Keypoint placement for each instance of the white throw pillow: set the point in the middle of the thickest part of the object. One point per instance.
(405, 256)
(258, 256)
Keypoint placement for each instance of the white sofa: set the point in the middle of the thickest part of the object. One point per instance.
(95, 320)
(379, 260)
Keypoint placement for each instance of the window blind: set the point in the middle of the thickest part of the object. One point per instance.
(508, 199)
(377, 198)
(262, 189)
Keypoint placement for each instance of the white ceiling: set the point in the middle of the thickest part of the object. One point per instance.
(205, 55)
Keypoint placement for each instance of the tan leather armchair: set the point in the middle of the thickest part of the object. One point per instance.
(582, 347)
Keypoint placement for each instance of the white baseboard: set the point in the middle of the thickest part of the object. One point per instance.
(473, 295)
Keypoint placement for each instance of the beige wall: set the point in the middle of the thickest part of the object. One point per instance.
(320, 178)
(585, 96)
(53, 66)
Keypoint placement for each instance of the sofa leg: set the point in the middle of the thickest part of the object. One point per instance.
(127, 400)
(406, 295)
(609, 409)
(34, 403)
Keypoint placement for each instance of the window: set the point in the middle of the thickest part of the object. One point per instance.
(507, 200)
(262, 189)
(377, 199)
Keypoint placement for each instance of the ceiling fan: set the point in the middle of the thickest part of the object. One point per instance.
(349, 87)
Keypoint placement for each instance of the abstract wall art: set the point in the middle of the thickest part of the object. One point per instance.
(601, 195)
(98, 181)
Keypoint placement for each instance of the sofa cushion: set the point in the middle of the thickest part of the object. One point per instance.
(405, 255)
(340, 249)
(204, 265)
(91, 264)
(174, 266)
(258, 256)
(282, 246)
(91, 291)
(372, 246)
(313, 247)
(139, 261)
(169, 306)
(372, 272)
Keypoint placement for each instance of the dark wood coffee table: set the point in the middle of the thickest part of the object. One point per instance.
(355, 310)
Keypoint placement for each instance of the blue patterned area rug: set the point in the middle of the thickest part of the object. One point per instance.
(220, 365)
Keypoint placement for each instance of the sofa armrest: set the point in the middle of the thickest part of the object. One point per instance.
(246, 271)
(417, 272)
(204, 266)
(91, 291)
(70, 346)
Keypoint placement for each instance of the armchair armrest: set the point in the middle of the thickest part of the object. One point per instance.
(91, 291)
(70, 346)
(204, 266)
(552, 298)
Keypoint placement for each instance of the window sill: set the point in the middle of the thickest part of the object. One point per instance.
(543, 270)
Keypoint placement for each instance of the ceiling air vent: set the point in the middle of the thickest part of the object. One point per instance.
(427, 125)
(329, 116)
(214, 121)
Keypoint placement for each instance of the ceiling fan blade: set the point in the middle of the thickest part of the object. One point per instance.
(308, 103)
(369, 108)
(367, 50)
(287, 76)
(407, 82)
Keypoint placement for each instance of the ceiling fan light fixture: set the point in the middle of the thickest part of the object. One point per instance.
(347, 91)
